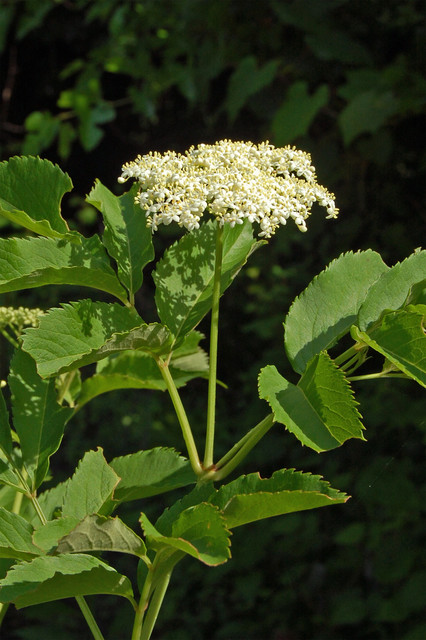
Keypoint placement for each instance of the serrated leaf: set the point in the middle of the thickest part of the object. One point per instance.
(137, 370)
(7, 475)
(31, 191)
(320, 411)
(250, 498)
(84, 332)
(49, 578)
(401, 339)
(392, 289)
(51, 502)
(127, 238)
(149, 473)
(46, 536)
(37, 417)
(199, 531)
(98, 533)
(16, 537)
(328, 307)
(5, 435)
(26, 263)
(200, 493)
(184, 277)
(91, 487)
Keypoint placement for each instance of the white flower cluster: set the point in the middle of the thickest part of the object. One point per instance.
(233, 181)
(19, 318)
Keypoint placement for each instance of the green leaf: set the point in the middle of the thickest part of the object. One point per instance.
(184, 277)
(47, 535)
(26, 263)
(247, 80)
(16, 537)
(149, 473)
(250, 498)
(392, 289)
(199, 531)
(297, 112)
(98, 533)
(328, 307)
(84, 332)
(49, 578)
(366, 113)
(31, 191)
(90, 488)
(51, 502)
(37, 417)
(127, 238)
(401, 339)
(137, 370)
(320, 411)
(5, 435)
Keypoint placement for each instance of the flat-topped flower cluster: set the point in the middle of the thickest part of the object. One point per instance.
(232, 181)
(18, 318)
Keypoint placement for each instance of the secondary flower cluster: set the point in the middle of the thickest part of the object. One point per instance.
(17, 319)
(232, 181)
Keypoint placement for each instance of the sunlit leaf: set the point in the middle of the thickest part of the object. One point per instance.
(199, 531)
(26, 263)
(328, 307)
(392, 289)
(16, 537)
(126, 237)
(84, 332)
(50, 578)
(250, 498)
(184, 277)
(37, 417)
(401, 338)
(90, 488)
(320, 411)
(148, 473)
(98, 533)
(31, 191)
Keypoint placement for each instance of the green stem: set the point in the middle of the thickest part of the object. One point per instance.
(161, 583)
(349, 353)
(182, 417)
(214, 333)
(88, 615)
(242, 448)
(65, 384)
(375, 376)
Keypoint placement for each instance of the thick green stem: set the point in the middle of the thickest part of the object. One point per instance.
(153, 593)
(182, 417)
(162, 582)
(214, 333)
(242, 448)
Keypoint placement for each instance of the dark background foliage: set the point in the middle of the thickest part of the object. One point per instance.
(92, 83)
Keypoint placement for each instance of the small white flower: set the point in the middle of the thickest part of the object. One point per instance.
(231, 181)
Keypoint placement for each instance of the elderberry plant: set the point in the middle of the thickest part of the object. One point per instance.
(52, 540)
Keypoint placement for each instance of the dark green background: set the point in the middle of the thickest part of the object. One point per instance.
(91, 84)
